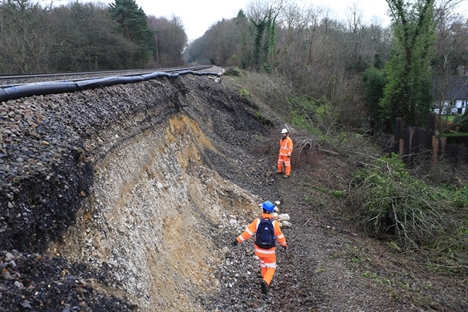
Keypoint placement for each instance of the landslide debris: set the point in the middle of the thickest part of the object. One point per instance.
(60, 210)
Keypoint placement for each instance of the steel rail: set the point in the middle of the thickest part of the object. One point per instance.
(125, 72)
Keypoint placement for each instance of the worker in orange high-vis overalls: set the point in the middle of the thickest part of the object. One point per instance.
(284, 158)
(267, 257)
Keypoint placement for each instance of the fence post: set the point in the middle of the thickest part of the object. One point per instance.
(432, 123)
(443, 143)
(397, 147)
(435, 149)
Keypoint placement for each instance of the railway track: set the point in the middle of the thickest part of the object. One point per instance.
(18, 78)
(17, 86)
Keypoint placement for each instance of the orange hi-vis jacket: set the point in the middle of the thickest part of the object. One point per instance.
(286, 147)
(252, 229)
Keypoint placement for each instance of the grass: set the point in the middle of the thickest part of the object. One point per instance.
(448, 118)
(455, 134)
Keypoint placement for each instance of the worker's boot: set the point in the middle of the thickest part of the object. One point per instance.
(264, 287)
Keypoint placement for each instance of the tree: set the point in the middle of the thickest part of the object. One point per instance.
(355, 61)
(133, 25)
(85, 40)
(450, 63)
(223, 44)
(263, 16)
(375, 81)
(24, 37)
(169, 40)
(408, 91)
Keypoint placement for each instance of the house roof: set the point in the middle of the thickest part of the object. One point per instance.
(452, 88)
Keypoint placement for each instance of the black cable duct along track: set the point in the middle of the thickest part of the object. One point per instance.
(52, 87)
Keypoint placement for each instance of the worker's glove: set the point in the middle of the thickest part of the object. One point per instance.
(289, 156)
(235, 243)
(285, 248)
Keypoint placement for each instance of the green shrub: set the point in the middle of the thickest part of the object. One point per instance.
(462, 121)
(246, 97)
(301, 121)
(389, 201)
(319, 113)
(339, 194)
(244, 94)
(232, 71)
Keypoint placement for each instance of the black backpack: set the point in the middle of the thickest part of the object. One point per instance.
(265, 237)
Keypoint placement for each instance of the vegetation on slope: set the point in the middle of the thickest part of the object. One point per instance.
(421, 208)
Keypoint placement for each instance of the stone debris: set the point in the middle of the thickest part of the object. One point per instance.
(49, 145)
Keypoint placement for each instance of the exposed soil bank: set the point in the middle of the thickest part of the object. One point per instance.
(124, 180)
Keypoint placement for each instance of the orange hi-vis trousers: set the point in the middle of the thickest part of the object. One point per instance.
(286, 162)
(267, 264)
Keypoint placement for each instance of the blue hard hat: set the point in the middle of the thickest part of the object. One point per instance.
(268, 206)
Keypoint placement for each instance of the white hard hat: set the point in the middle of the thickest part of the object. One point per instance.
(284, 130)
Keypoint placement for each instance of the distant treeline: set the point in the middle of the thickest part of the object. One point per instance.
(37, 38)
(362, 69)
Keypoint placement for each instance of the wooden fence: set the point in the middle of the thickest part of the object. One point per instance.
(415, 142)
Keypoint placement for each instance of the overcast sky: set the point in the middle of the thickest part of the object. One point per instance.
(199, 15)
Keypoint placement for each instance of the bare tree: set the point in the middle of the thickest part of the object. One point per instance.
(85, 39)
(225, 43)
(169, 40)
(450, 64)
(24, 37)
